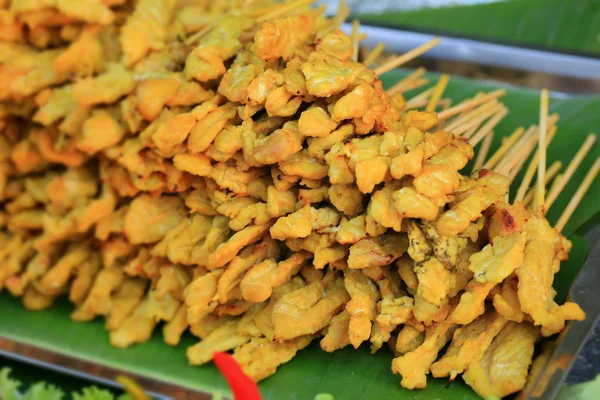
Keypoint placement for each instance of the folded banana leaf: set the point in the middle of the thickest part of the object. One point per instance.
(346, 374)
(567, 25)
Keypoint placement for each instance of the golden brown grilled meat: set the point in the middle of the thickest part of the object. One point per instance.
(178, 161)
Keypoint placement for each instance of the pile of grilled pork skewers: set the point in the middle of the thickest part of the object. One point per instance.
(238, 173)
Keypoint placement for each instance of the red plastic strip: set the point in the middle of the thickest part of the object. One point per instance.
(241, 385)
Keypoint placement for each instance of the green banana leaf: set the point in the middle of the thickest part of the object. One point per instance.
(569, 25)
(346, 374)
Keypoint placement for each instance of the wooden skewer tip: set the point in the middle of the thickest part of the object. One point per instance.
(469, 104)
(506, 144)
(373, 54)
(410, 55)
(438, 91)
(542, 149)
(483, 151)
(571, 168)
(579, 194)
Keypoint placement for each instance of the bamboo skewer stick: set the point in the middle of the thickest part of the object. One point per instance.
(476, 122)
(417, 73)
(469, 104)
(196, 36)
(387, 59)
(411, 105)
(413, 85)
(483, 152)
(342, 13)
(470, 128)
(506, 145)
(318, 11)
(467, 116)
(471, 131)
(354, 37)
(531, 169)
(581, 191)
(539, 193)
(521, 155)
(373, 54)
(438, 91)
(414, 53)
(528, 201)
(520, 144)
(515, 171)
(445, 103)
(556, 182)
(487, 128)
(550, 173)
(284, 9)
(399, 86)
(419, 100)
(571, 168)
(466, 112)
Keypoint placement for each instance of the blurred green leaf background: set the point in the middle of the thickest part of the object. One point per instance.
(566, 25)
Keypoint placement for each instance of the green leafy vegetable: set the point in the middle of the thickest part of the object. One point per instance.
(8, 387)
(538, 23)
(42, 391)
